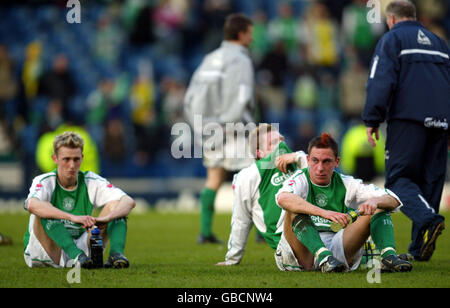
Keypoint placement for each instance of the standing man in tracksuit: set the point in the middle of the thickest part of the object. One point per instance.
(409, 87)
(221, 95)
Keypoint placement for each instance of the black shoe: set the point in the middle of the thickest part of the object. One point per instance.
(394, 263)
(84, 261)
(429, 241)
(117, 260)
(407, 257)
(332, 265)
(212, 239)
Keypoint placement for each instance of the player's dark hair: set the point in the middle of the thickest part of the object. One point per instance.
(235, 23)
(324, 141)
(402, 9)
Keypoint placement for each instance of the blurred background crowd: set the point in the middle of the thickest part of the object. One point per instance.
(120, 75)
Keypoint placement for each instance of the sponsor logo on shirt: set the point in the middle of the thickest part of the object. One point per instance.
(278, 178)
(436, 123)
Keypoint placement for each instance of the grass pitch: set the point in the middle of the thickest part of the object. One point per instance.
(163, 253)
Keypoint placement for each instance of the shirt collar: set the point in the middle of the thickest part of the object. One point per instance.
(408, 23)
(228, 44)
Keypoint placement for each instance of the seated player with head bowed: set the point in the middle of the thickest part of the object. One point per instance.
(61, 204)
(318, 195)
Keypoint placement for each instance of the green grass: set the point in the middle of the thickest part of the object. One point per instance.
(163, 253)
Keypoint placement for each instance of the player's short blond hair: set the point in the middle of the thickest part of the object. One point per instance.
(255, 138)
(68, 139)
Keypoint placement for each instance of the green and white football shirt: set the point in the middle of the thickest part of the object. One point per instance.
(343, 192)
(254, 190)
(92, 191)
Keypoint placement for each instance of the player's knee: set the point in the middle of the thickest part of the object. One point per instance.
(300, 221)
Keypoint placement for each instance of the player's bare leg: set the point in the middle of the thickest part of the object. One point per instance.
(55, 239)
(380, 227)
(304, 257)
(215, 177)
(53, 250)
(355, 236)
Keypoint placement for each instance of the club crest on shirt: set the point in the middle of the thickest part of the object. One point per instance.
(321, 200)
(68, 203)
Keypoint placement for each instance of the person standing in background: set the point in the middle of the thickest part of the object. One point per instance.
(409, 87)
(221, 92)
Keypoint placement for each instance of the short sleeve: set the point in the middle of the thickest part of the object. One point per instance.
(101, 191)
(297, 184)
(300, 158)
(41, 188)
(358, 192)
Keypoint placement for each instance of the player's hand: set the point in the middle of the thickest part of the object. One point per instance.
(87, 221)
(368, 208)
(282, 161)
(223, 263)
(340, 218)
(370, 131)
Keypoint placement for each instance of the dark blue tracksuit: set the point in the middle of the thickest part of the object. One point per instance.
(409, 87)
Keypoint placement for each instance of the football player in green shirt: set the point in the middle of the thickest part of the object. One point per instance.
(318, 195)
(254, 190)
(61, 204)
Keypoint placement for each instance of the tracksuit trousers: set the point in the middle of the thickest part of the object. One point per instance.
(416, 161)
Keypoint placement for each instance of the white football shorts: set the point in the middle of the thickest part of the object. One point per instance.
(286, 260)
(227, 151)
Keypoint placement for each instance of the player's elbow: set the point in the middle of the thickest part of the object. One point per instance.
(282, 199)
(131, 202)
(394, 203)
(35, 207)
(31, 205)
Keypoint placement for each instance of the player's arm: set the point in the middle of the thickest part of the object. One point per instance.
(380, 84)
(284, 160)
(241, 219)
(120, 208)
(371, 198)
(46, 210)
(297, 205)
(385, 202)
(105, 194)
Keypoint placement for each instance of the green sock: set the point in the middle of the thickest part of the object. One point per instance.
(307, 234)
(117, 234)
(382, 232)
(207, 198)
(58, 233)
